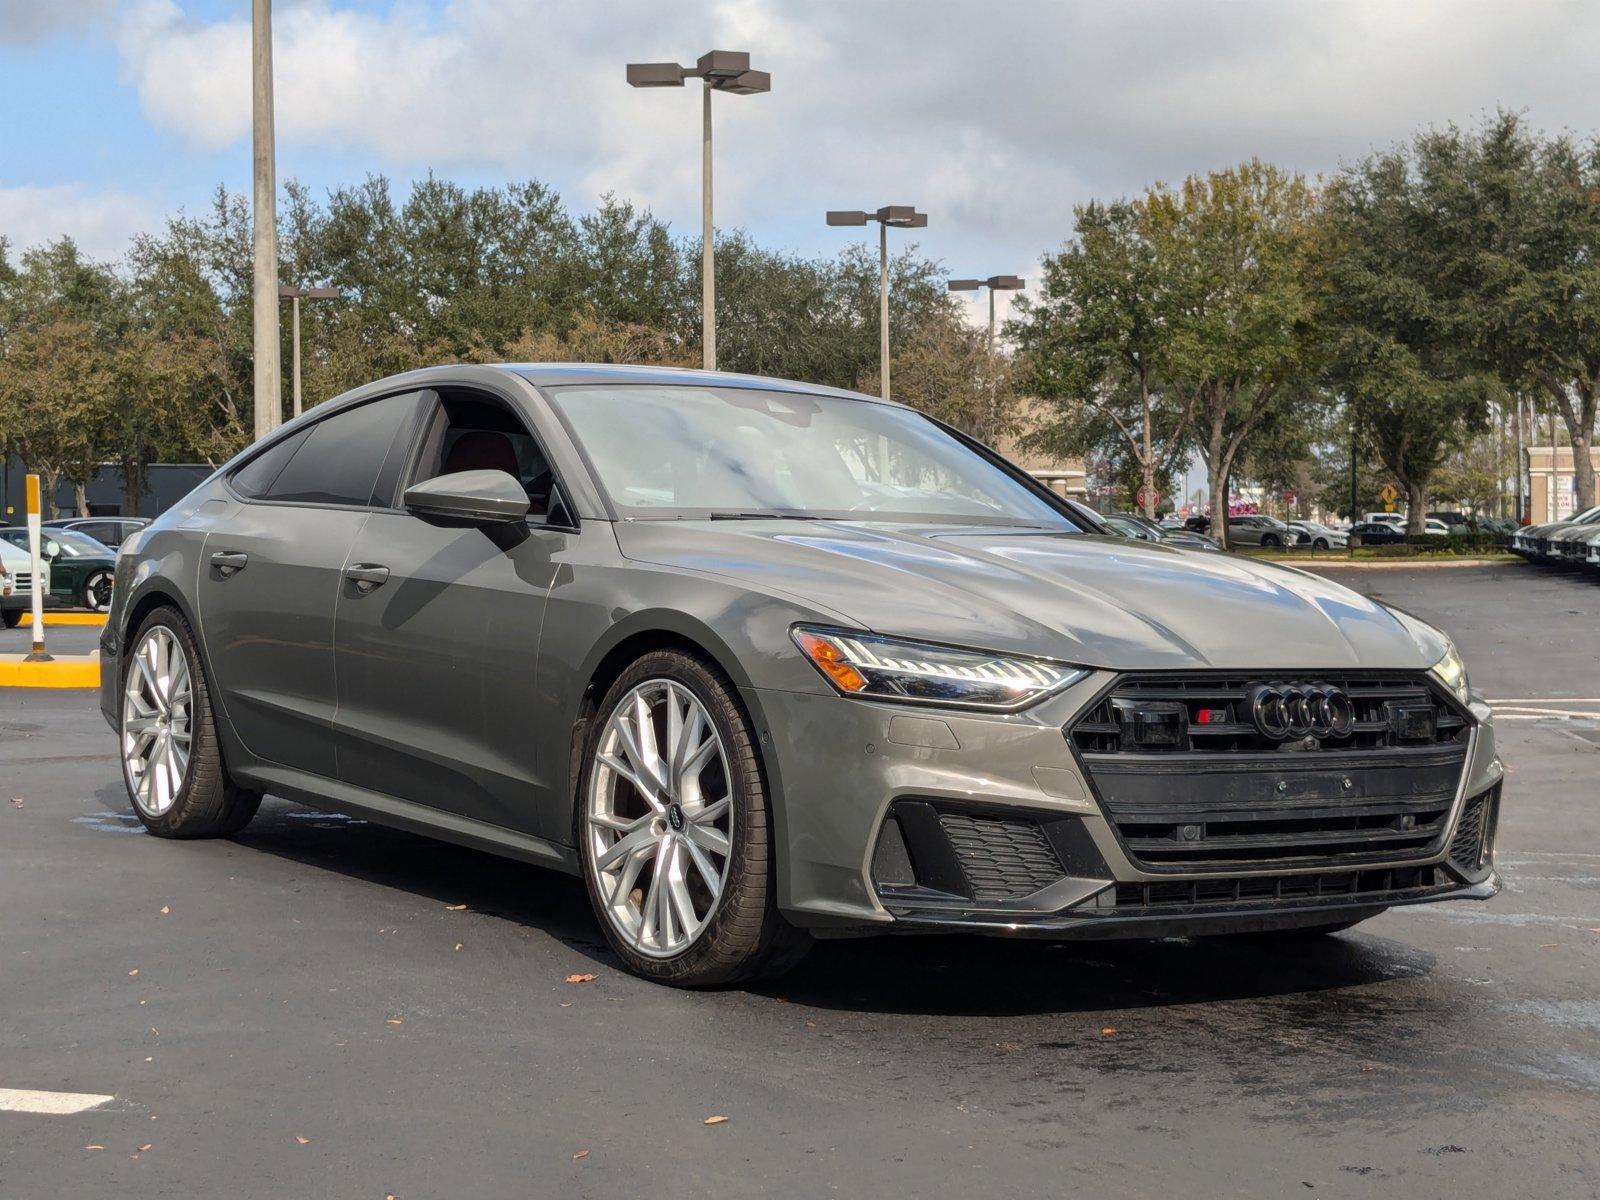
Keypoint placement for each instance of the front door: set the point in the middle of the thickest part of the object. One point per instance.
(270, 573)
(437, 636)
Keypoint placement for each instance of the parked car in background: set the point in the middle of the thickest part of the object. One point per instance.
(1385, 518)
(1199, 523)
(81, 569)
(781, 686)
(1320, 536)
(1376, 533)
(1134, 526)
(1452, 520)
(1434, 527)
(16, 584)
(1259, 530)
(1533, 543)
(108, 531)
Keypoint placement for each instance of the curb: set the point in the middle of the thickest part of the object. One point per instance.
(62, 671)
(1435, 564)
(75, 618)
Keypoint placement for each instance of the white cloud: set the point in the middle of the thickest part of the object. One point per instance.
(102, 223)
(23, 21)
(995, 118)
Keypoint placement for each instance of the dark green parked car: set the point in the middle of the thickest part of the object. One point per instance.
(80, 567)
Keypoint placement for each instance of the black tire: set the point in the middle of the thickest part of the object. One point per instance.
(96, 594)
(746, 937)
(1269, 540)
(208, 804)
(12, 617)
(1320, 544)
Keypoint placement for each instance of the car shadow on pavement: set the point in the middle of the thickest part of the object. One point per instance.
(923, 974)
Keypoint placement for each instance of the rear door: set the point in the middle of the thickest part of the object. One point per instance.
(270, 572)
(438, 640)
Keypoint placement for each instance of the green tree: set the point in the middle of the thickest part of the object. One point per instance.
(1095, 341)
(1237, 252)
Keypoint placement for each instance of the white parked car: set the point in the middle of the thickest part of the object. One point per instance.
(16, 584)
(1398, 520)
(1321, 537)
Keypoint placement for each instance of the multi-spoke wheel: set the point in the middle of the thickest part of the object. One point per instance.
(674, 828)
(97, 592)
(157, 707)
(170, 758)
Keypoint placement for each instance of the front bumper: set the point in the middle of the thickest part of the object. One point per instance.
(840, 768)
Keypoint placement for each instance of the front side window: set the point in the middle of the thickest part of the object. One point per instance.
(474, 433)
(683, 451)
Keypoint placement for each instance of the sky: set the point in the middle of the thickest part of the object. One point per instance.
(994, 117)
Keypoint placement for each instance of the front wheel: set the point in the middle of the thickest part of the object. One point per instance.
(171, 758)
(675, 829)
(1268, 541)
(1320, 544)
(11, 617)
(96, 595)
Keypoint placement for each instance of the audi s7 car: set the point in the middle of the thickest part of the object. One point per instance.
(763, 661)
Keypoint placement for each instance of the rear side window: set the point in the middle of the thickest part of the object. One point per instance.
(335, 461)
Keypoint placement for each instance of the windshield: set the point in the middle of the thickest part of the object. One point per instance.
(684, 451)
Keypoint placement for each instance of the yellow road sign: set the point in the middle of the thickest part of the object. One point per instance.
(1389, 493)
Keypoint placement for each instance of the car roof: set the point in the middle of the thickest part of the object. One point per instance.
(558, 374)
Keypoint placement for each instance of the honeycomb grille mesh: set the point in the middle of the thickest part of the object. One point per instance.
(1002, 859)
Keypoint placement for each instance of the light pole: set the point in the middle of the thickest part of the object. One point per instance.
(268, 402)
(295, 295)
(723, 71)
(901, 216)
(995, 283)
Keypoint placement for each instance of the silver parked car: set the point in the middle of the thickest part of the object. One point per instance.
(760, 660)
(1264, 531)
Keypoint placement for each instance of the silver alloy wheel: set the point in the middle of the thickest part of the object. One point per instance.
(157, 721)
(97, 591)
(659, 817)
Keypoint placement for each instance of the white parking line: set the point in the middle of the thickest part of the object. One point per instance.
(54, 1104)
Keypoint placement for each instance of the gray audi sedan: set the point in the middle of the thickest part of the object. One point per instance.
(763, 662)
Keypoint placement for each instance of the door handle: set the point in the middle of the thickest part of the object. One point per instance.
(229, 562)
(367, 577)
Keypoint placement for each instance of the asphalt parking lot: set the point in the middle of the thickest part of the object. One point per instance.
(325, 1008)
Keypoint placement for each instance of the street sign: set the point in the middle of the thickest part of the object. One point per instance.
(1390, 493)
(1148, 497)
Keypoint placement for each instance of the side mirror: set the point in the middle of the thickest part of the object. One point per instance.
(470, 497)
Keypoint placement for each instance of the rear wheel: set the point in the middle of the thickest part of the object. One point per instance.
(96, 594)
(675, 829)
(171, 759)
(12, 617)
(1320, 544)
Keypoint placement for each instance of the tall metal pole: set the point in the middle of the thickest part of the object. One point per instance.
(991, 322)
(1353, 517)
(883, 305)
(294, 304)
(708, 274)
(268, 379)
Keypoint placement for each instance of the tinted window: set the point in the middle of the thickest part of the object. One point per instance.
(108, 532)
(339, 460)
(256, 476)
(477, 434)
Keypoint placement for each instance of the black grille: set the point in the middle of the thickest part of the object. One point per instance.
(1002, 859)
(1477, 816)
(1222, 796)
(1219, 722)
(1384, 883)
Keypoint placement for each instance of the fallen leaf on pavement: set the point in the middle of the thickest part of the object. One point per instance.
(133, 972)
(94, 1147)
(715, 1121)
(166, 910)
(580, 1154)
(302, 1141)
(566, 1004)
(1108, 1031)
(394, 1021)
(145, 1147)
(581, 978)
(458, 945)
(1548, 945)
(811, 1024)
(454, 907)
(17, 801)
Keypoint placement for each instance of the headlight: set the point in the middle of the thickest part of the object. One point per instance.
(1452, 672)
(881, 668)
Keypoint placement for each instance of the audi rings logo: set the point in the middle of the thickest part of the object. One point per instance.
(1282, 711)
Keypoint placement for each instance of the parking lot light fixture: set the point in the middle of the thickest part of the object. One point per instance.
(995, 283)
(721, 71)
(295, 295)
(900, 216)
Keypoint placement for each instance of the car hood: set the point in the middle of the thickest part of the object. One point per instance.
(1098, 601)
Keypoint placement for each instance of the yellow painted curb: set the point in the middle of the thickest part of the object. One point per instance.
(74, 618)
(63, 671)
